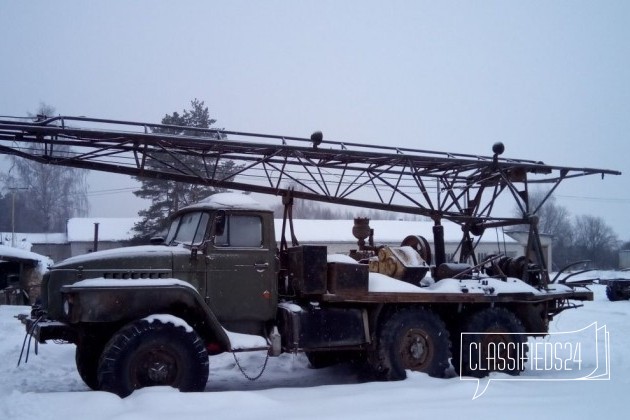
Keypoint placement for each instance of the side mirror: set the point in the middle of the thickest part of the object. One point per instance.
(219, 223)
(157, 240)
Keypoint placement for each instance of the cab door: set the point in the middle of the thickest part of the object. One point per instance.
(241, 278)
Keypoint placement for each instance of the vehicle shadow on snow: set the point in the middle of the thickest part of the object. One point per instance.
(285, 371)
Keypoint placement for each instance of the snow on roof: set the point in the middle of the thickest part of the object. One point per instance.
(81, 229)
(8, 253)
(34, 238)
(385, 231)
(230, 200)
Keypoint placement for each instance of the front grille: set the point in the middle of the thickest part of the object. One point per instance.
(135, 275)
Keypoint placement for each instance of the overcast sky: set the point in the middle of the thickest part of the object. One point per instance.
(550, 79)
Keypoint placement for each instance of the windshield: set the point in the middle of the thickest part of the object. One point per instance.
(188, 229)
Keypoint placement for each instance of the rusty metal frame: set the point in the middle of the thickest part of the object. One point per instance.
(377, 177)
(462, 188)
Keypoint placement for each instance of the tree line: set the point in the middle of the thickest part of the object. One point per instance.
(576, 237)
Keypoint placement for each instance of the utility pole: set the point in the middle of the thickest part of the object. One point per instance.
(13, 190)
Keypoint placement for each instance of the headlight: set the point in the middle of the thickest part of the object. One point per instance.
(67, 305)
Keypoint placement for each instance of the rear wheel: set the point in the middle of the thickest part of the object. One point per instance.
(414, 339)
(153, 353)
(494, 341)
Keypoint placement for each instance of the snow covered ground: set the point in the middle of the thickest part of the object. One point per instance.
(48, 387)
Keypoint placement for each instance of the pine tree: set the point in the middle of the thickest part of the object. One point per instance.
(169, 196)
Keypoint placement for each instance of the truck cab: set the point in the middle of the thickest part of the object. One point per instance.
(222, 247)
(215, 272)
(233, 258)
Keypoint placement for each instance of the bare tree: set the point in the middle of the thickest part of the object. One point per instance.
(595, 240)
(554, 220)
(49, 194)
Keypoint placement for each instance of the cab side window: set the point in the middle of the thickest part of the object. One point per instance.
(240, 231)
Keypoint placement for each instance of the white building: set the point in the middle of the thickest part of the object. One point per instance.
(336, 234)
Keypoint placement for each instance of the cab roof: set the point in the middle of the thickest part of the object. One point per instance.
(229, 200)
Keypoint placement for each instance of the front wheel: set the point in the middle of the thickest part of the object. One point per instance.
(414, 339)
(153, 353)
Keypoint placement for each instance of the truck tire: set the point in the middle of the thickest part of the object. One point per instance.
(613, 294)
(414, 339)
(86, 356)
(507, 338)
(153, 353)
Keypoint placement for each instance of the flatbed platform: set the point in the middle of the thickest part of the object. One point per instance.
(483, 290)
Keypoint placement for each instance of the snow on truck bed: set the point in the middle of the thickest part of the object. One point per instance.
(380, 283)
(487, 286)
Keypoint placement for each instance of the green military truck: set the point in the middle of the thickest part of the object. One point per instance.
(151, 315)
(219, 281)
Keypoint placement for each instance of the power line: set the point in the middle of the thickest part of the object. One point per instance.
(579, 197)
(111, 191)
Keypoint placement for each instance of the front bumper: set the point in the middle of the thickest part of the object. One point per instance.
(44, 329)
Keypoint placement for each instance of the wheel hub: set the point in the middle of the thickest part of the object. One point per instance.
(415, 350)
(158, 372)
(154, 366)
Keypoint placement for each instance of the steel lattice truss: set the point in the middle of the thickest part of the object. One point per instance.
(458, 187)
